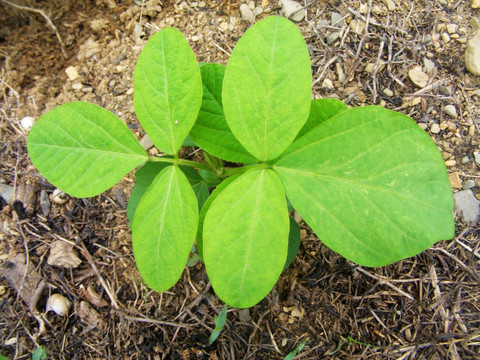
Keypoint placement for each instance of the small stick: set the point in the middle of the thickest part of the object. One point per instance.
(385, 282)
(100, 278)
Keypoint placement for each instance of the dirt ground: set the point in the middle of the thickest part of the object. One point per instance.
(426, 307)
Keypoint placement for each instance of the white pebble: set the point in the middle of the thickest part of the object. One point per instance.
(435, 129)
(58, 304)
(450, 110)
(72, 73)
(27, 122)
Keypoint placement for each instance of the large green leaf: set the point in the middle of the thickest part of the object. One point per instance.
(83, 149)
(163, 228)
(211, 131)
(168, 89)
(266, 89)
(245, 238)
(371, 184)
(205, 208)
(320, 111)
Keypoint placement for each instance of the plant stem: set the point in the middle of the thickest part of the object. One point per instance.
(183, 162)
(241, 170)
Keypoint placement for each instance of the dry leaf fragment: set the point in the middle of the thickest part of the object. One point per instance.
(62, 254)
(89, 315)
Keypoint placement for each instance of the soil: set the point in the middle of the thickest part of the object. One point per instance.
(425, 307)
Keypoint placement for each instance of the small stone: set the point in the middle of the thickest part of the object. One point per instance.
(455, 181)
(72, 73)
(138, 31)
(445, 37)
(450, 110)
(59, 304)
(435, 128)
(429, 65)
(465, 160)
(251, 5)
(357, 26)
(332, 37)
(246, 13)
(452, 28)
(6, 192)
(146, 142)
(328, 84)
(292, 10)
(337, 19)
(418, 77)
(472, 53)
(445, 90)
(340, 73)
(468, 184)
(244, 315)
(258, 11)
(475, 4)
(27, 122)
(423, 126)
(195, 38)
(129, 91)
(388, 92)
(202, 4)
(390, 5)
(363, 9)
(450, 163)
(467, 205)
(77, 86)
(59, 197)
(369, 68)
(476, 155)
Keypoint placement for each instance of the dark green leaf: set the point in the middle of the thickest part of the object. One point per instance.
(293, 243)
(211, 131)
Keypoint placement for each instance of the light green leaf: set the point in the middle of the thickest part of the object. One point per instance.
(211, 131)
(320, 111)
(40, 353)
(168, 89)
(205, 208)
(245, 238)
(371, 184)
(266, 89)
(163, 228)
(293, 243)
(83, 149)
(219, 324)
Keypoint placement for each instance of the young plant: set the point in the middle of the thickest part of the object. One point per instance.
(370, 183)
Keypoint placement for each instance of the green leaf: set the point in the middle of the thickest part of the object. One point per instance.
(199, 185)
(295, 352)
(83, 149)
(3, 357)
(145, 175)
(205, 208)
(371, 184)
(163, 228)
(245, 238)
(143, 178)
(293, 243)
(219, 324)
(39, 354)
(211, 131)
(320, 111)
(267, 87)
(168, 89)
